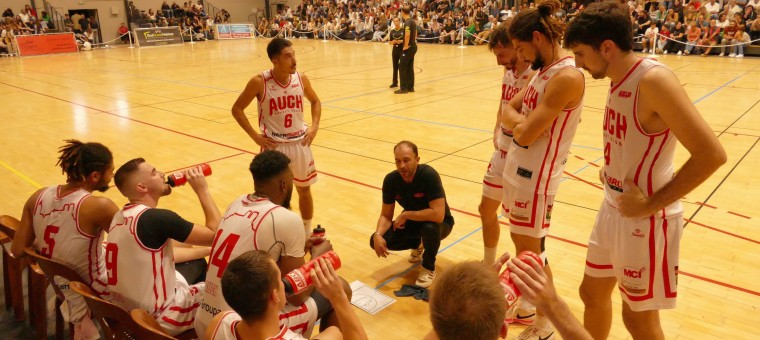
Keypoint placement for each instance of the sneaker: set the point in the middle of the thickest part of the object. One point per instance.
(665, 52)
(401, 91)
(740, 55)
(416, 254)
(721, 54)
(535, 333)
(425, 278)
(686, 52)
(732, 55)
(645, 51)
(522, 316)
(393, 85)
(680, 53)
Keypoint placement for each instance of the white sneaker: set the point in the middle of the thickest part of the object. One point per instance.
(740, 55)
(732, 55)
(680, 53)
(522, 316)
(665, 52)
(535, 333)
(416, 254)
(721, 54)
(425, 277)
(645, 51)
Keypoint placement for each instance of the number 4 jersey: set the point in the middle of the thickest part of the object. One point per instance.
(59, 237)
(250, 223)
(281, 109)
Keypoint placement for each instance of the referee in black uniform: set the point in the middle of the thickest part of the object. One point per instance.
(406, 65)
(426, 218)
(396, 39)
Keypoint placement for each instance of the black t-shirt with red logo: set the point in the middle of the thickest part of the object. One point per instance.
(425, 187)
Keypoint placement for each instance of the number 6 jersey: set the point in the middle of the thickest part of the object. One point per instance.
(250, 223)
(281, 109)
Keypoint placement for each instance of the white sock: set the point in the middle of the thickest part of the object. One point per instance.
(307, 227)
(542, 322)
(489, 255)
(524, 304)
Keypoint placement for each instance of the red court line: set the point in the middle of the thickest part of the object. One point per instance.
(213, 160)
(705, 205)
(578, 157)
(583, 180)
(748, 291)
(374, 187)
(740, 215)
(721, 231)
(593, 164)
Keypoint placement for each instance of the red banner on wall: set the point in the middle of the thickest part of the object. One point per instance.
(46, 44)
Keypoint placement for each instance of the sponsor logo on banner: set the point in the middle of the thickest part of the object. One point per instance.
(234, 31)
(158, 36)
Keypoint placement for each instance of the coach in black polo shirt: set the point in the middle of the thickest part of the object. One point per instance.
(425, 220)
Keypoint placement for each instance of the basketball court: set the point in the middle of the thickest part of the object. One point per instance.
(171, 105)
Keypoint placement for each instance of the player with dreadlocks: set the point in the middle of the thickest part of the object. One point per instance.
(65, 223)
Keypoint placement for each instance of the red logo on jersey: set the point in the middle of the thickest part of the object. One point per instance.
(521, 205)
(285, 102)
(624, 94)
(294, 85)
(633, 273)
(419, 194)
(508, 92)
(531, 98)
(615, 123)
(637, 233)
(545, 77)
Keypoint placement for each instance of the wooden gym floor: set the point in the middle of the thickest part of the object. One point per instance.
(171, 105)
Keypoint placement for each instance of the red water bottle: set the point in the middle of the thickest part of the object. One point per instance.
(511, 293)
(300, 279)
(318, 232)
(178, 178)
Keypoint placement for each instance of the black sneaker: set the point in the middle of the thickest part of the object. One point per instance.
(410, 90)
(393, 85)
(401, 91)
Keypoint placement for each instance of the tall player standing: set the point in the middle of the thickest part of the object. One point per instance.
(280, 93)
(543, 117)
(516, 76)
(635, 240)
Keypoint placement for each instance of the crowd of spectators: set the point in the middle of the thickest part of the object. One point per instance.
(662, 26)
(694, 27)
(190, 16)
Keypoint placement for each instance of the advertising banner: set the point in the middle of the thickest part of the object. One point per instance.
(234, 31)
(46, 44)
(158, 36)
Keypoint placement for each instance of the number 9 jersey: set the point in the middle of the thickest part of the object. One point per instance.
(281, 109)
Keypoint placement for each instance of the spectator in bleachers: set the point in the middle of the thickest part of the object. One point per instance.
(643, 21)
(487, 28)
(679, 35)
(750, 15)
(692, 38)
(662, 40)
(712, 8)
(733, 8)
(67, 23)
(710, 37)
(671, 19)
(31, 11)
(728, 37)
(722, 21)
(166, 9)
(8, 13)
(649, 41)
(84, 23)
(123, 30)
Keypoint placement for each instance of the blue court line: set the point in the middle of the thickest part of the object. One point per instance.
(722, 86)
(417, 264)
(583, 168)
(432, 122)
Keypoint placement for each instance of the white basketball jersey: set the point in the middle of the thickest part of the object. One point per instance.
(511, 84)
(225, 330)
(281, 109)
(138, 277)
(248, 224)
(539, 166)
(58, 236)
(629, 151)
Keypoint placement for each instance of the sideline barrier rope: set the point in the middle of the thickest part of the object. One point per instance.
(697, 45)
